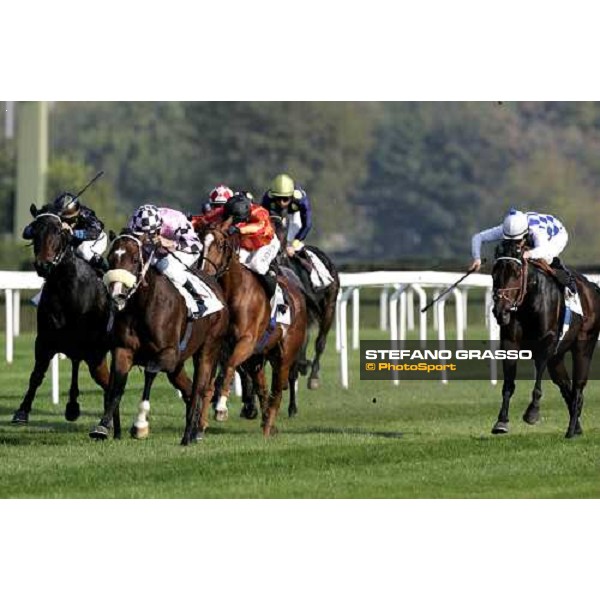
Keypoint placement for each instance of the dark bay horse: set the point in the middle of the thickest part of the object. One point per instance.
(253, 341)
(319, 303)
(151, 329)
(73, 314)
(529, 306)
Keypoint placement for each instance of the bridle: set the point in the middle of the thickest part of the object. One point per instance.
(131, 281)
(64, 244)
(501, 293)
(229, 248)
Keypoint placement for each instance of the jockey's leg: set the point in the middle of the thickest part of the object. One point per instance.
(295, 225)
(556, 245)
(260, 261)
(91, 251)
(175, 270)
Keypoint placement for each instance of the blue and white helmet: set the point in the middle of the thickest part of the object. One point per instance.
(146, 219)
(516, 225)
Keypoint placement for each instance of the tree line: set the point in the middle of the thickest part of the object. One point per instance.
(389, 181)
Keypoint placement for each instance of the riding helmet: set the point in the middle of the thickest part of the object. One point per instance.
(515, 225)
(221, 194)
(238, 207)
(282, 187)
(67, 205)
(146, 219)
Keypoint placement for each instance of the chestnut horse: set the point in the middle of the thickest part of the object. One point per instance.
(151, 329)
(253, 340)
(73, 314)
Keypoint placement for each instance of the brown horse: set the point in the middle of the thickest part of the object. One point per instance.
(319, 303)
(254, 339)
(151, 329)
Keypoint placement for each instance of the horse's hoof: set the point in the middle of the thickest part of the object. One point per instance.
(249, 412)
(139, 433)
(99, 433)
(578, 428)
(500, 427)
(292, 411)
(198, 436)
(314, 384)
(20, 418)
(531, 416)
(269, 431)
(72, 412)
(221, 415)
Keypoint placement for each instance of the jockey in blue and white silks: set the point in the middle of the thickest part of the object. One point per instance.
(547, 235)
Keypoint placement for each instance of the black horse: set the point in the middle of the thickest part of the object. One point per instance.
(529, 306)
(73, 314)
(320, 303)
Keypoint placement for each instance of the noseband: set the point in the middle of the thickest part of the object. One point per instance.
(131, 281)
(501, 293)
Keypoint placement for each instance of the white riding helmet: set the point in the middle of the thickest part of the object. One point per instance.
(516, 225)
(221, 194)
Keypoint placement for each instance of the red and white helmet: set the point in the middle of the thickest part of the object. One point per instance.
(220, 194)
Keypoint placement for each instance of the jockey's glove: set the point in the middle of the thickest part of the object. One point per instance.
(232, 230)
(297, 245)
(79, 234)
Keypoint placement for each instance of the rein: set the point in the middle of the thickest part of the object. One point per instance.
(140, 278)
(58, 258)
(229, 247)
(522, 287)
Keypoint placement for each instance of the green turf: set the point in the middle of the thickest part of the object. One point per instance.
(372, 441)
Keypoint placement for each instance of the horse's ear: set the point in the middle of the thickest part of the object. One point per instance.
(112, 235)
(33, 210)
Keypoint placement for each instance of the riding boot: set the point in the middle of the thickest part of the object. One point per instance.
(99, 263)
(199, 301)
(269, 280)
(563, 275)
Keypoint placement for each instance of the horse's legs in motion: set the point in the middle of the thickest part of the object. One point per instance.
(560, 377)
(203, 387)
(43, 356)
(293, 380)
(243, 349)
(325, 323)
(72, 409)
(532, 413)
(279, 382)
(121, 364)
(101, 375)
(582, 355)
(509, 367)
(249, 410)
(180, 381)
(140, 428)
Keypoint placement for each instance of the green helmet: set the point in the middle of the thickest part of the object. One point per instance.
(282, 187)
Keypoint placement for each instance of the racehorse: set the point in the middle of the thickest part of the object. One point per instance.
(73, 314)
(320, 303)
(151, 329)
(529, 306)
(254, 338)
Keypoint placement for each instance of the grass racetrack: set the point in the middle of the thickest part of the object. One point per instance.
(371, 441)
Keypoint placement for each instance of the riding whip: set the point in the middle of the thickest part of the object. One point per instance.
(448, 289)
(93, 180)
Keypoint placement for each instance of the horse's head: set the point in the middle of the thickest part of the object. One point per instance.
(509, 276)
(50, 238)
(128, 264)
(220, 244)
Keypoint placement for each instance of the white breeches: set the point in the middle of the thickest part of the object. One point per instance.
(295, 225)
(260, 260)
(555, 246)
(88, 249)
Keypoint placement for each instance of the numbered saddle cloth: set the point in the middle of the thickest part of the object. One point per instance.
(320, 277)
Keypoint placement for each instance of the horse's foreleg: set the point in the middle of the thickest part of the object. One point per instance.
(242, 350)
(279, 380)
(582, 355)
(72, 409)
(249, 410)
(532, 413)
(101, 375)
(293, 380)
(324, 326)
(140, 428)
(121, 364)
(509, 368)
(181, 382)
(560, 377)
(43, 356)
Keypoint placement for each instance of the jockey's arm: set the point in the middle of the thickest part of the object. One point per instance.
(495, 234)
(539, 248)
(306, 217)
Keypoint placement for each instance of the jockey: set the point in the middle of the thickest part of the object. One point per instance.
(218, 197)
(284, 197)
(546, 238)
(258, 243)
(89, 238)
(178, 250)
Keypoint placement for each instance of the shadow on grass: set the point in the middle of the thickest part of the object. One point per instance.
(346, 431)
